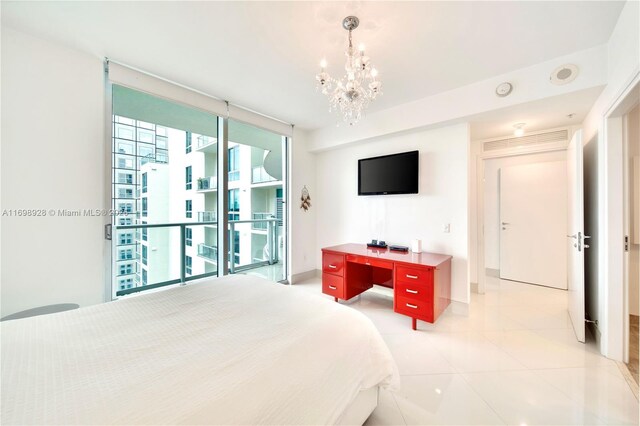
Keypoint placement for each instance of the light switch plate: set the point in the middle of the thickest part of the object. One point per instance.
(447, 228)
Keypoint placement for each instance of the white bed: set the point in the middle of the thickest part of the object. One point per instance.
(234, 350)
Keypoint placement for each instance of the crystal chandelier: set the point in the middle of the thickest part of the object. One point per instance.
(358, 87)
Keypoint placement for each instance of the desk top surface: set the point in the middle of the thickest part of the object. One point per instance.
(424, 258)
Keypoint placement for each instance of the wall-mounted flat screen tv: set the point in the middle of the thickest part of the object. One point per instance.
(389, 174)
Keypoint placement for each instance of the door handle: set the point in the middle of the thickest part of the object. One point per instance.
(506, 223)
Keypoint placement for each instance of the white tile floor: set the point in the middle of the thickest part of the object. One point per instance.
(512, 360)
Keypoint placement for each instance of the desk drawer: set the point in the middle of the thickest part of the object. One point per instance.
(371, 261)
(414, 308)
(413, 291)
(333, 285)
(333, 263)
(419, 276)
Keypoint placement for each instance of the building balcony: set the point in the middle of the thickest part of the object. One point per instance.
(205, 140)
(207, 216)
(208, 253)
(209, 183)
(158, 158)
(260, 175)
(206, 144)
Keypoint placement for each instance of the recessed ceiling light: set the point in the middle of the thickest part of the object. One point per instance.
(504, 89)
(519, 129)
(570, 115)
(564, 74)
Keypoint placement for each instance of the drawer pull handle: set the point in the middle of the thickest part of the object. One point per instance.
(413, 277)
(333, 266)
(332, 287)
(412, 291)
(367, 263)
(409, 305)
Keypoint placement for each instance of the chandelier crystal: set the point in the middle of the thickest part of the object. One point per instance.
(353, 93)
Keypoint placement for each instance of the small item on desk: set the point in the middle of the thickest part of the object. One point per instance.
(416, 246)
(399, 248)
(377, 244)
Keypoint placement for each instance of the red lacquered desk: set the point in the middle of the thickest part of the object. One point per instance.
(421, 282)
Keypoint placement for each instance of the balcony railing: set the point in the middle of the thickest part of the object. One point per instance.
(205, 140)
(161, 158)
(207, 216)
(207, 183)
(208, 252)
(203, 250)
(260, 175)
(261, 225)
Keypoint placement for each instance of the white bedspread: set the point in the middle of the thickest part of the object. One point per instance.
(235, 350)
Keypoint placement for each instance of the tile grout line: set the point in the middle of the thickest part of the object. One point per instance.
(504, 421)
(393, 395)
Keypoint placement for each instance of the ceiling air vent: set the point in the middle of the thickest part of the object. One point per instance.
(540, 138)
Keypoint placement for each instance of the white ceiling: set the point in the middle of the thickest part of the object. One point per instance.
(548, 113)
(264, 55)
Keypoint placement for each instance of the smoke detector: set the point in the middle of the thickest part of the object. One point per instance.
(564, 74)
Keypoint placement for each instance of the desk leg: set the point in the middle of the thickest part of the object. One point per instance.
(335, 299)
(413, 323)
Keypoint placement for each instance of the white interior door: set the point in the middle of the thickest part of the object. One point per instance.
(533, 224)
(575, 237)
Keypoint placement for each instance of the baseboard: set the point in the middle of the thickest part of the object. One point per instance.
(492, 272)
(303, 276)
(459, 308)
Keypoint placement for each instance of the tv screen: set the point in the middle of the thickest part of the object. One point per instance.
(389, 174)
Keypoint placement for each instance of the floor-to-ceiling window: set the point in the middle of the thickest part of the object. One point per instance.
(257, 160)
(168, 167)
(169, 222)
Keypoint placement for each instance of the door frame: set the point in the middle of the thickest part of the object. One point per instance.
(614, 305)
(480, 158)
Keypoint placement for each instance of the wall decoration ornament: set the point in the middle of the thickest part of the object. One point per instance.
(305, 199)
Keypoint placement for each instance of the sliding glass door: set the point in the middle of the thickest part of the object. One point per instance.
(164, 165)
(180, 186)
(257, 194)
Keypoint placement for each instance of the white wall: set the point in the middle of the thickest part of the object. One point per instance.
(53, 158)
(302, 246)
(623, 63)
(344, 217)
(492, 199)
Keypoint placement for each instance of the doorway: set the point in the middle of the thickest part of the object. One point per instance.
(618, 251)
(541, 169)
